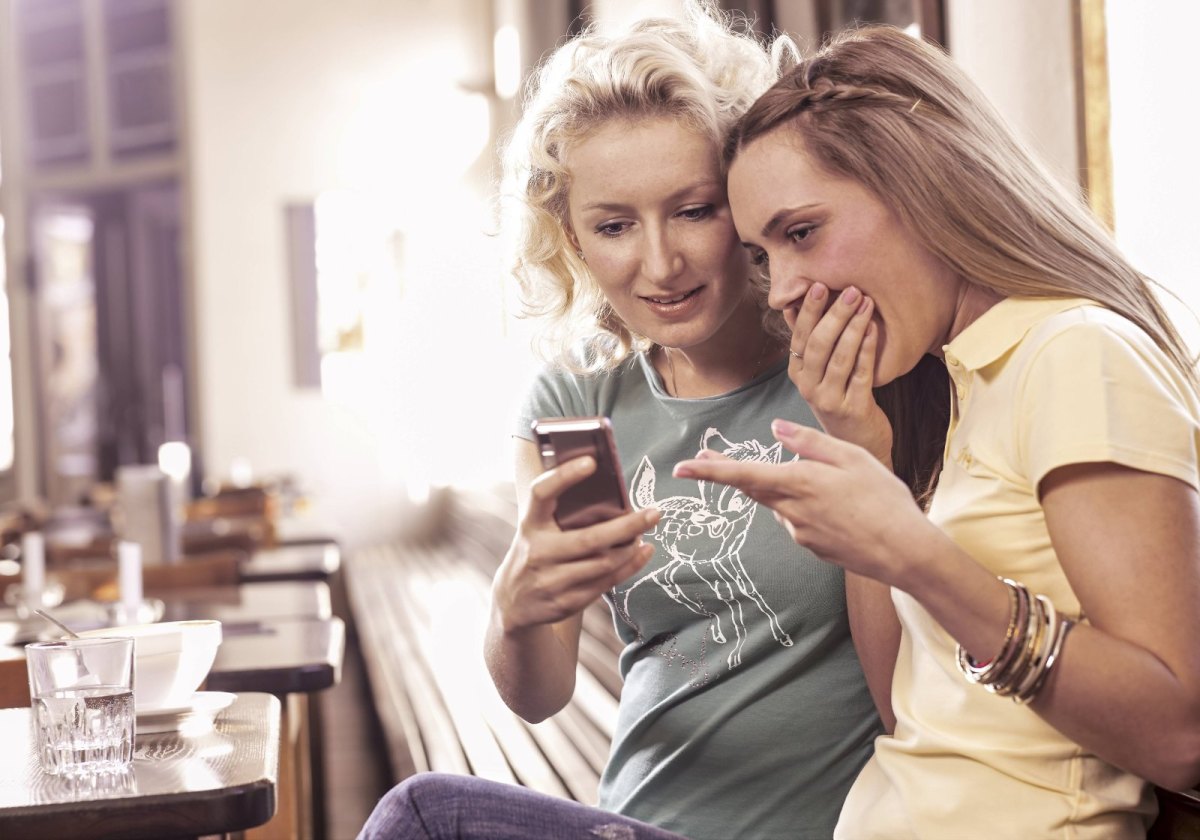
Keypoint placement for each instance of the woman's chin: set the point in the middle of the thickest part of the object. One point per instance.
(887, 372)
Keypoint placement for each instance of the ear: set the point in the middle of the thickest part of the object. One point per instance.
(572, 239)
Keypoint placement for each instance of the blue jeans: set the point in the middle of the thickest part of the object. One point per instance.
(442, 806)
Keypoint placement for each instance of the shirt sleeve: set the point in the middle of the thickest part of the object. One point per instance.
(553, 393)
(1100, 390)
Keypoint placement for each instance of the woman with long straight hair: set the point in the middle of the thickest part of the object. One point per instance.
(1048, 670)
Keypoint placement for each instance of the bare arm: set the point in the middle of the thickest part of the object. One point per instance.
(1127, 684)
(876, 632)
(546, 580)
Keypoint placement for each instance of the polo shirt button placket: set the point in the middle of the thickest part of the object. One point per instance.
(957, 376)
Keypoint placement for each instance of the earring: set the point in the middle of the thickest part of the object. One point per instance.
(582, 258)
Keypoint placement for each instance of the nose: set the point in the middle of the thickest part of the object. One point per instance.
(788, 286)
(662, 257)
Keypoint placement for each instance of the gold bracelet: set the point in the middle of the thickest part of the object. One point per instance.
(1064, 627)
(1023, 649)
(1012, 651)
(1022, 691)
(1017, 617)
(1032, 645)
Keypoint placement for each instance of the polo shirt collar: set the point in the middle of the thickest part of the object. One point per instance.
(1002, 327)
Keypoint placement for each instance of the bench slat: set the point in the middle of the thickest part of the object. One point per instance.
(436, 636)
(442, 747)
(406, 751)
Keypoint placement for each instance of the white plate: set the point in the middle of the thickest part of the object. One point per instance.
(203, 707)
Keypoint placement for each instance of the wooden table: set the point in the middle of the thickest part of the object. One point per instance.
(317, 561)
(218, 781)
(294, 659)
(250, 603)
(310, 528)
(294, 655)
(233, 604)
(281, 657)
(281, 638)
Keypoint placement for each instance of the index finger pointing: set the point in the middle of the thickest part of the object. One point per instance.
(811, 443)
(757, 480)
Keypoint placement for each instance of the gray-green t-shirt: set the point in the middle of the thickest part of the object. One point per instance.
(744, 713)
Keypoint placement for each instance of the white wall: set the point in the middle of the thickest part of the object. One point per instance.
(288, 99)
(1156, 181)
(1021, 53)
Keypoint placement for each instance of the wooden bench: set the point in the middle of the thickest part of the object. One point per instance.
(420, 609)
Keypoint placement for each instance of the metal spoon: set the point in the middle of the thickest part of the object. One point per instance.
(58, 624)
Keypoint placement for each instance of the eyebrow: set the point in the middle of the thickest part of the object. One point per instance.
(675, 196)
(774, 221)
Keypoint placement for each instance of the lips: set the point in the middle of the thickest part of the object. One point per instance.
(675, 307)
(673, 300)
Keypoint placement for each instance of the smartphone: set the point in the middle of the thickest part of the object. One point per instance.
(600, 496)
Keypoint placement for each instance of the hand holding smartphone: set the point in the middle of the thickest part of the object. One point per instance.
(599, 497)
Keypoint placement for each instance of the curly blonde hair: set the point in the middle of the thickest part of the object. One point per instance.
(705, 69)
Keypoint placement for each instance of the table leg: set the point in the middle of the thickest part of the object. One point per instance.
(316, 765)
(293, 815)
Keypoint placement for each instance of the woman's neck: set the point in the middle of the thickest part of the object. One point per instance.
(718, 367)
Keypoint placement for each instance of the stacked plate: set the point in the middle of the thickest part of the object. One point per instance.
(196, 716)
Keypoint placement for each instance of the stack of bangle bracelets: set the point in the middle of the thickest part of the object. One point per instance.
(1032, 643)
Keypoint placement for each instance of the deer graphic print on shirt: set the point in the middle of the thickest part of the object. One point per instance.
(702, 536)
(743, 712)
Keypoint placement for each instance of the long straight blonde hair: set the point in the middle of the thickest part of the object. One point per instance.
(898, 116)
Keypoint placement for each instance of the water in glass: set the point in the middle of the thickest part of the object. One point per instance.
(85, 730)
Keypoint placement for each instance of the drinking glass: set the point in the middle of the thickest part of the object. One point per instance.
(82, 694)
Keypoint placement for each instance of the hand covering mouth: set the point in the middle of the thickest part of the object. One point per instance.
(676, 298)
(792, 311)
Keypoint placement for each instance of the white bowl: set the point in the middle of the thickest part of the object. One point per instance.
(170, 660)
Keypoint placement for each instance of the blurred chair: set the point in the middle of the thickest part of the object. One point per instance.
(14, 683)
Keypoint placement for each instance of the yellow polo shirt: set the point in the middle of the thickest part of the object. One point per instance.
(1038, 384)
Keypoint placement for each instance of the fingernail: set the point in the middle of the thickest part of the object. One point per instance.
(817, 292)
(683, 471)
(850, 296)
(651, 516)
(784, 427)
(864, 306)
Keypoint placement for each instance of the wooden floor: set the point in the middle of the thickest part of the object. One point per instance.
(355, 768)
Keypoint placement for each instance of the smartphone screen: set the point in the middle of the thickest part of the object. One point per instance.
(600, 496)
